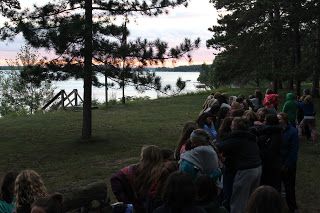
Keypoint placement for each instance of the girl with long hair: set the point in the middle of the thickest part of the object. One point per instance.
(184, 138)
(132, 183)
(28, 188)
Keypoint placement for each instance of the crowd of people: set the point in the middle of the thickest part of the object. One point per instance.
(239, 155)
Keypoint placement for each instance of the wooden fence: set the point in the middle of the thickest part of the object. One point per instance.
(64, 100)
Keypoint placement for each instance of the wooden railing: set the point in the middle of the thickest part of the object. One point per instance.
(65, 100)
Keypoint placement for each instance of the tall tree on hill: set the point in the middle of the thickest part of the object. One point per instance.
(247, 30)
(296, 18)
(313, 40)
(84, 35)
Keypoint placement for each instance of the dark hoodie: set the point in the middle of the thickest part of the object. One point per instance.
(290, 107)
(240, 150)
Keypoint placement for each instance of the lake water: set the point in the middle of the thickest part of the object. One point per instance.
(116, 91)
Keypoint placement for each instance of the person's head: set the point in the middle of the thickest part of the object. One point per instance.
(235, 105)
(308, 99)
(206, 189)
(187, 129)
(150, 154)
(237, 113)
(283, 119)
(185, 135)
(264, 199)
(48, 204)
(205, 118)
(151, 157)
(225, 127)
(223, 98)
(179, 191)
(290, 96)
(29, 187)
(240, 98)
(261, 113)
(269, 91)
(251, 116)
(306, 92)
(240, 124)
(271, 119)
(7, 186)
(199, 137)
(217, 95)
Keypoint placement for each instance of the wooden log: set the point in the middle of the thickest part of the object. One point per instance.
(87, 198)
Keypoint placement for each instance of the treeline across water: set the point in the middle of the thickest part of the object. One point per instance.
(187, 68)
(10, 68)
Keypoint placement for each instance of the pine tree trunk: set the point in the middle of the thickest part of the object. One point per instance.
(276, 44)
(87, 115)
(280, 85)
(297, 48)
(123, 44)
(315, 84)
(316, 72)
(298, 88)
(106, 87)
(123, 96)
(258, 82)
(291, 83)
(275, 85)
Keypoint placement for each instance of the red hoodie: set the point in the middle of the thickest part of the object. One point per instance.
(271, 100)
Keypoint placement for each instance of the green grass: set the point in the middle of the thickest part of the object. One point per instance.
(50, 143)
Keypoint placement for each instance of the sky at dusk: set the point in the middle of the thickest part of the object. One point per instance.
(191, 22)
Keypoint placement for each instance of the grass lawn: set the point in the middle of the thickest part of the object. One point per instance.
(50, 143)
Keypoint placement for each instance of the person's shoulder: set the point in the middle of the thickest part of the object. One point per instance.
(5, 207)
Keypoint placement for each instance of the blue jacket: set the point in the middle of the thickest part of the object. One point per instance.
(211, 131)
(308, 109)
(290, 146)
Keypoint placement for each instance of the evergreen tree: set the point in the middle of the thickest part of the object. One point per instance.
(263, 39)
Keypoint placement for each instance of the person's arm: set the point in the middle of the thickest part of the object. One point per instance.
(120, 186)
(285, 107)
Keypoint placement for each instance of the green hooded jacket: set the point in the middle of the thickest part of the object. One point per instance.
(290, 107)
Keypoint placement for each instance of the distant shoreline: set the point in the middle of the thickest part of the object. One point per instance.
(190, 68)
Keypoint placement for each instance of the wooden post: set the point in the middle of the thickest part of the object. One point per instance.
(62, 98)
(106, 87)
(75, 97)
